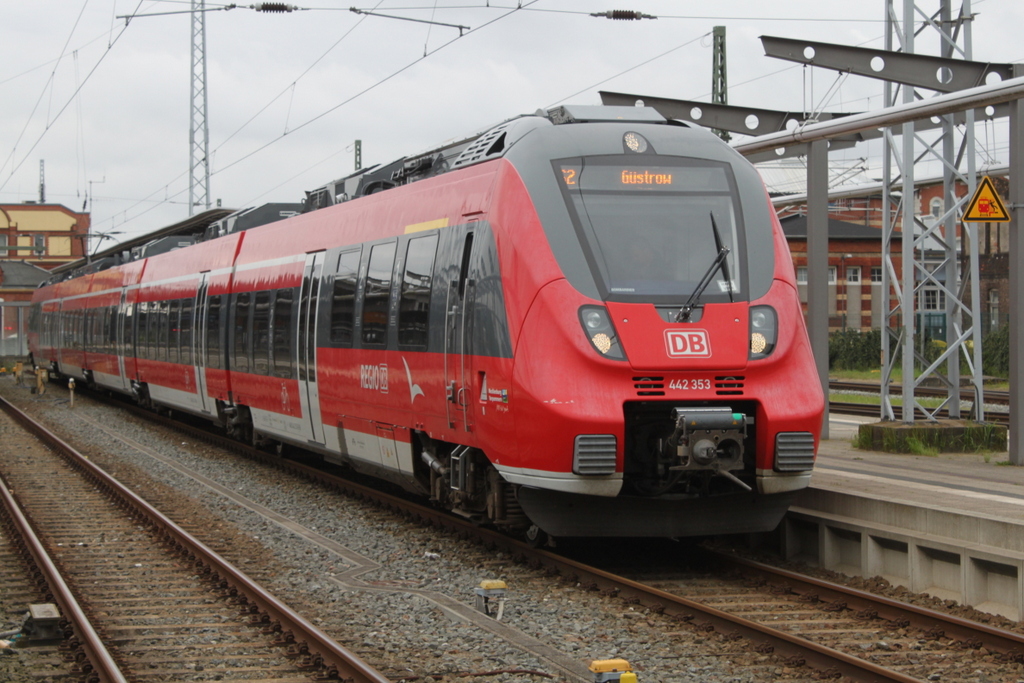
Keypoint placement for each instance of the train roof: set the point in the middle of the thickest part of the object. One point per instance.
(493, 142)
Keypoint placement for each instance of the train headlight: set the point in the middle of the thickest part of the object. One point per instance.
(764, 327)
(597, 325)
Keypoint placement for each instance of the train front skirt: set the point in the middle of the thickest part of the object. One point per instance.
(570, 515)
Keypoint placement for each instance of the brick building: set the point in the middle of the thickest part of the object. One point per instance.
(855, 258)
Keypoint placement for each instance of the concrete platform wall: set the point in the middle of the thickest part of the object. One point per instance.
(972, 559)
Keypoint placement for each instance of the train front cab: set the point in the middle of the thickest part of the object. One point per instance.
(649, 399)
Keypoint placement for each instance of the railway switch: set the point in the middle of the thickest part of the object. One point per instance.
(619, 670)
(490, 598)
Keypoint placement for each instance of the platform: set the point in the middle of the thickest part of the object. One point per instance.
(950, 525)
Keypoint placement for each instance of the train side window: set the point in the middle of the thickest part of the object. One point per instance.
(185, 332)
(261, 334)
(377, 292)
(214, 358)
(343, 298)
(143, 327)
(414, 304)
(240, 357)
(139, 331)
(163, 330)
(112, 330)
(283, 333)
(128, 330)
(173, 330)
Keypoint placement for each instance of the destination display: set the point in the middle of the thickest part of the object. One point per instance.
(596, 177)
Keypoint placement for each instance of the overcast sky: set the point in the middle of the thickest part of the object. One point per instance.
(105, 102)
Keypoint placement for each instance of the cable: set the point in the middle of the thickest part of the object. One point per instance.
(632, 68)
(365, 90)
(48, 85)
(14, 170)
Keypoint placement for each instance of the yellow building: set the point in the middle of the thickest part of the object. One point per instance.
(51, 234)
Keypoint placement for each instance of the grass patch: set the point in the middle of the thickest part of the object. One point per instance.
(930, 439)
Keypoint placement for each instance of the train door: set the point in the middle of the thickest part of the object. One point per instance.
(124, 322)
(457, 351)
(309, 392)
(199, 332)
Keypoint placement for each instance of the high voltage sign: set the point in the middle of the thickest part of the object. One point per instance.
(986, 206)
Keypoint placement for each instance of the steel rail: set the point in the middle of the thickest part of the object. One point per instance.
(991, 396)
(103, 664)
(820, 657)
(590, 578)
(999, 639)
(345, 663)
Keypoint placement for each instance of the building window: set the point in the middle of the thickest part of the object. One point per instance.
(993, 308)
(853, 275)
(832, 275)
(936, 207)
(933, 300)
(876, 274)
(801, 275)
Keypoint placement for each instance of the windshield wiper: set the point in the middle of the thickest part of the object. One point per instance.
(693, 302)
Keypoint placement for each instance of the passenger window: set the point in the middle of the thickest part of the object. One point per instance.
(174, 329)
(414, 305)
(185, 327)
(261, 334)
(142, 338)
(163, 327)
(283, 333)
(240, 359)
(377, 294)
(343, 299)
(213, 350)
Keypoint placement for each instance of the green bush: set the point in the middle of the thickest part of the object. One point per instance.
(855, 350)
(995, 349)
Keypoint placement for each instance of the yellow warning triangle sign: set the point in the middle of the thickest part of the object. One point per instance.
(986, 206)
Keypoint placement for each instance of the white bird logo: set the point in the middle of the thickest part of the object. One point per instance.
(414, 389)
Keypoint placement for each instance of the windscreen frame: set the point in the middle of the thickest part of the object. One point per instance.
(590, 242)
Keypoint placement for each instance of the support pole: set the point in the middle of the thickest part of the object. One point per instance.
(817, 263)
(1016, 293)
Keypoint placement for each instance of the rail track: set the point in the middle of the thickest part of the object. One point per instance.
(160, 603)
(836, 631)
(872, 410)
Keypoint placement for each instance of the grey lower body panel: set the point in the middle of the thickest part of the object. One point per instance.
(571, 515)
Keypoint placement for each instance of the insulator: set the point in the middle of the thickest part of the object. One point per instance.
(273, 7)
(623, 15)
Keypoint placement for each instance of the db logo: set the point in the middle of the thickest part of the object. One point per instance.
(688, 344)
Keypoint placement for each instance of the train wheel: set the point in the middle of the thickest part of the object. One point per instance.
(536, 537)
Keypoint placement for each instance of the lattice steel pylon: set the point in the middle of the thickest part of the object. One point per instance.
(719, 74)
(199, 130)
(932, 274)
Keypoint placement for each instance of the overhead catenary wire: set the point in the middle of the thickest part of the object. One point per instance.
(324, 113)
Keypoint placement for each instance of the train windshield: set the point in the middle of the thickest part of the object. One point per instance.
(648, 226)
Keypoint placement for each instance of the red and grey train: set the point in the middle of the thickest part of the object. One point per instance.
(582, 322)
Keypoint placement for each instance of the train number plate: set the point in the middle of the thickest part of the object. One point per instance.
(690, 384)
